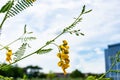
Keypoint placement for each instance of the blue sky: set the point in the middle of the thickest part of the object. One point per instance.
(48, 17)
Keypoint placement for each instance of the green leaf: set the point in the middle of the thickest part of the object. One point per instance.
(25, 29)
(91, 78)
(48, 42)
(70, 32)
(116, 71)
(29, 32)
(6, 7)
(77, 34)
(42, 51)
(19, 7)
(29, 38)
(83, 9)
(88, 11)
(82, 34)
(20, 52)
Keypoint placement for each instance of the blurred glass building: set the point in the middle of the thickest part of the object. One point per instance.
(110, 54)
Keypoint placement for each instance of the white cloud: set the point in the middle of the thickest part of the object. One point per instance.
(87, 62)
(98, 51)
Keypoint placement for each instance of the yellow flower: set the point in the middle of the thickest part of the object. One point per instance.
(64, 71)
(64, 56)
(67, 61)
(9, 53)
(62, 47)
(65, 42)
(64, 67)
(8, 56)
(59, 55)
(66, 46)
(60, 63)
(8, 59)
(66, 51)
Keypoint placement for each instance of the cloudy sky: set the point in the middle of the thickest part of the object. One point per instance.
(46, 18)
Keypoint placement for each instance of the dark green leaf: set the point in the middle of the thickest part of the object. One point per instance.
(24, 29)
(6, 7)
(82, 34)
(88, 11)
(42, 51)
(48, 42)
(117, 59)
(19, 7)
(70, 32)
(77, 34)
(83, 9)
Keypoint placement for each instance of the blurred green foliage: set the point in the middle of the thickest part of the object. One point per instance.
(12, 71)
(77, 74)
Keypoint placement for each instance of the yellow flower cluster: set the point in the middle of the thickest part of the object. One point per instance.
(64, 57)
(8, 56)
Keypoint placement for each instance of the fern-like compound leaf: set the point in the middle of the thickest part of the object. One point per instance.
(19, 6)
(20, 52)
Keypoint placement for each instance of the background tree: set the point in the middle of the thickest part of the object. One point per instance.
(42, 75)
(32, 71)
(12, 71)
(77, 74)
(51, 75)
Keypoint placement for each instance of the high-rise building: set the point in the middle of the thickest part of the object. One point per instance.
(110, 54)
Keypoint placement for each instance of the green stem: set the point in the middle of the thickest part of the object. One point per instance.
(113, 64)
(56, 46)
(75, 22)
(3, 21)
(5, 17)
(12, 42)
